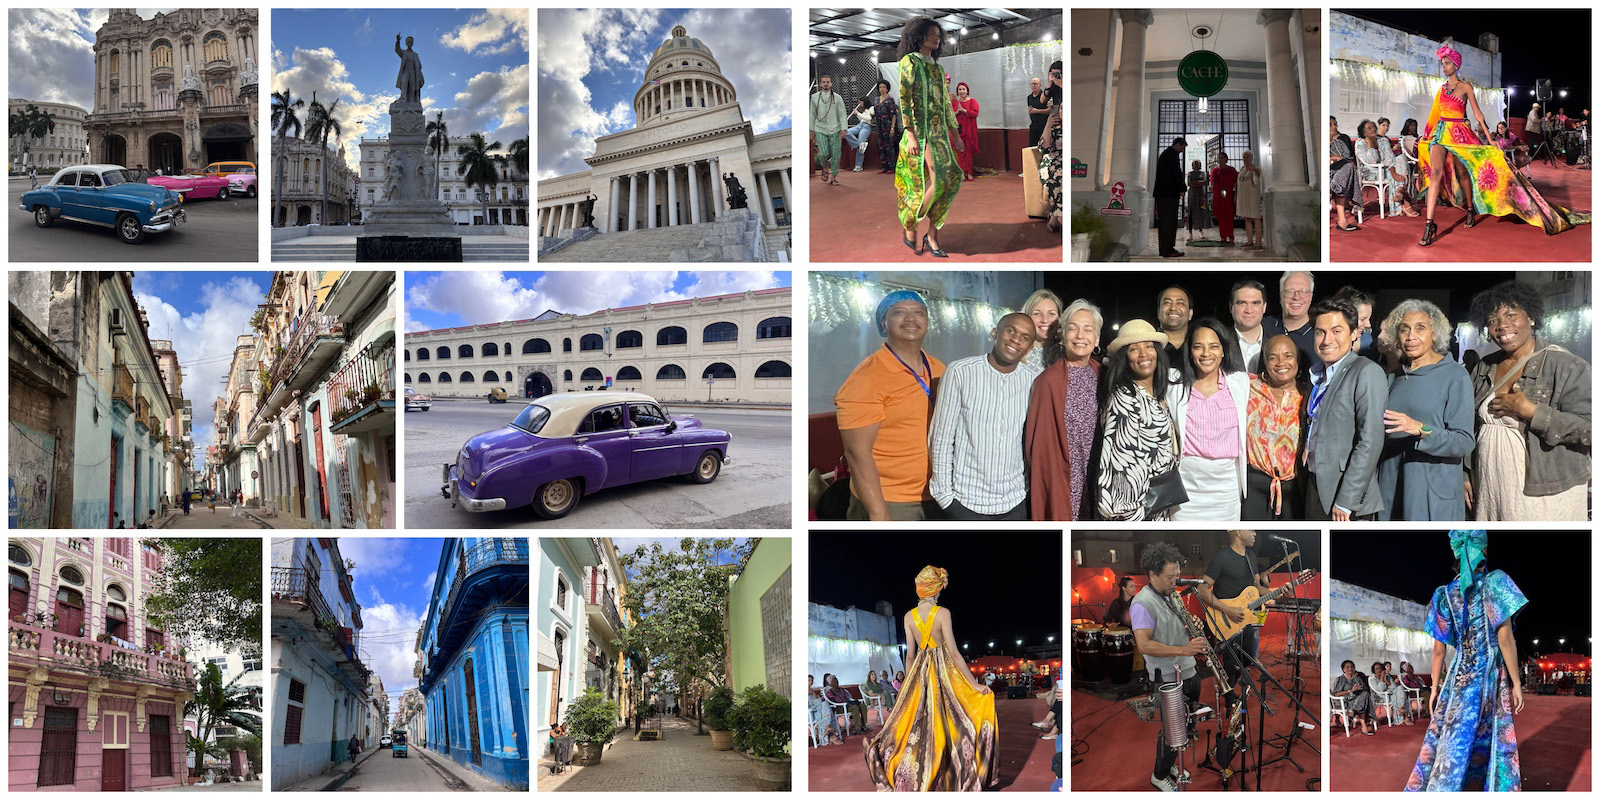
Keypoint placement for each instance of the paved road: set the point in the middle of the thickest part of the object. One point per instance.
(224, 230)
(752, 492)
(382, 772)
(679, 762)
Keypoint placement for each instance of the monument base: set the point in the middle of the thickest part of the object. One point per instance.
(408, 248)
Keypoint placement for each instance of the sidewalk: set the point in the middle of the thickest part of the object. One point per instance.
(243, 786)
(472, 780)
(337, 774)
(680, 761)
(200, 517)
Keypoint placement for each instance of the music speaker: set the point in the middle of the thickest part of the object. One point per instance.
(1581, 690)
(1543, 91)
(1016, 692)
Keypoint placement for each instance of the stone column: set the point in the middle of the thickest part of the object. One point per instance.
(788, 193)
(1128, 137)
(716, 188)
(672, 196)
(1283, 107)
(694, 192)
(544, 221)
(611, 214)
(650, 203)
(633, 202)
(766, 198)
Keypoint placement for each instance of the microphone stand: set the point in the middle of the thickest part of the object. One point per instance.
(1293, 735)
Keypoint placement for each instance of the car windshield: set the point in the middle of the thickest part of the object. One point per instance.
(532, 418)
(112, 177)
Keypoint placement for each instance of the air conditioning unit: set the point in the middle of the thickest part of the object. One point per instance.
(117, 325)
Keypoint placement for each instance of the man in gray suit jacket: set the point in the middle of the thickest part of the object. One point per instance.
(1346, 405)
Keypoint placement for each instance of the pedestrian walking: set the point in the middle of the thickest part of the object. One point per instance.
(355, 747)
(33, 176)
(186, 502)
(211, 497)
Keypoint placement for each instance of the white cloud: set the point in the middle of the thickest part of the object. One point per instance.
(389, 642)
(483, 297)
(50, 59)
(494, 104)
(490, 32)
(320, 71)
(372, 556)
(757, 60)
(427, 586)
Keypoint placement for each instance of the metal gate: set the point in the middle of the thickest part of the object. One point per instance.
(116, 458)
(58, 754)
(444, 700)
(472, 714)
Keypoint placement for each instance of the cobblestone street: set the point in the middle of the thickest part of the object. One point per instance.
(681, 762)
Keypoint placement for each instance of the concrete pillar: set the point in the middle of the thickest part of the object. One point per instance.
(611, 216)
(1128, 137)
(672, 196)
(694, 192)
(788, 193)
(1283, 105)
(716, 188)
(766, 198)
(633, 202)
(650, 203)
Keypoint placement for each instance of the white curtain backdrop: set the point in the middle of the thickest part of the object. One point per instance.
(850, 659)
(1371, 626)
(999, 80)
(1372, 91)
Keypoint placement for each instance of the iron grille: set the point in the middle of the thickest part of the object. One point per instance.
(160, 746)
(1228, 118)
(58, 756)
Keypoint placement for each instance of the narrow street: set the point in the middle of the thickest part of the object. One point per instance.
(679, 762)
(382, 772)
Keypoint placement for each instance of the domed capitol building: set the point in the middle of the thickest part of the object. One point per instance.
(659, 190)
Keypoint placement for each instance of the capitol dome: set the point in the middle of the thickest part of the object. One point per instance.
(683, 78)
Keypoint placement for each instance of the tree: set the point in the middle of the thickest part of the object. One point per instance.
(320, 124)
(284, 120)
(519, 154)
(677, 599)
(481, 168)
(206, 591)
(438, 142)
(31, 123)
(217, 703)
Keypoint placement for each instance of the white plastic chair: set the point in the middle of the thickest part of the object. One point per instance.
(818, 735)
(1381, 182)
(873, 701)
(1415, 698)
(841, 714)
(1339, 706)
(1381, 700)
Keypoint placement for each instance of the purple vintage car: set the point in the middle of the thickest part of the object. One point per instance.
(564, 446)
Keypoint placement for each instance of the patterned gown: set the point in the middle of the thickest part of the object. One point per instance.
(1136, 446)
(941, 735)
(1471, 745)
(925, 110)
(885, 117)
(1480, 175)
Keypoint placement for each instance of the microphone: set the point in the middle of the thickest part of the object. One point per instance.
(1191, 581)
(1283, 539)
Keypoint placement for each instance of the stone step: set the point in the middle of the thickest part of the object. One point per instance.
(650, 244)
(347, 252)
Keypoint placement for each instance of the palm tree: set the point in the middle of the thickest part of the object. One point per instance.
(285, 122)
(519, 154)
(481, 167)
(320, 124)
(438, 142)
(217, 703)
(31, 123)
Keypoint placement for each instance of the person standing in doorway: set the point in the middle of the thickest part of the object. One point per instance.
(1168, 188)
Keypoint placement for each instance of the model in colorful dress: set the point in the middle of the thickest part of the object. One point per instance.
(1474, 175)
(926, 175)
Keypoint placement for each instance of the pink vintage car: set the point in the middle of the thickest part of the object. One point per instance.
(193, 187)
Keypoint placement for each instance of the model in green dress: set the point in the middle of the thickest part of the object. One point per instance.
(926, 176)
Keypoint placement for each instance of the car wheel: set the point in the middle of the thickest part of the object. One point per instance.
(250, 192)
(556, 499)
(222, 194)
(707, 468)
(129, 230)
(41, 216)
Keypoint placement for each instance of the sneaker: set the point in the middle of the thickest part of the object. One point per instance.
(1163, 784)
(857, 169)
(1178, 774)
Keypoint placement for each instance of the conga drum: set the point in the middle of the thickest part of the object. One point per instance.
(1117, 647)
(1087, 661)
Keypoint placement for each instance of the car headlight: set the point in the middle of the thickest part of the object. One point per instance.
(152, 205)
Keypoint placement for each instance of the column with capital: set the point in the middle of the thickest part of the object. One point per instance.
(716, 187)
(650, 201)
(694, 192)
(788, 193)
(1288, 197)
(1128, 132)
(610, 212)
(766, 199)
(633, 201)
(672, 196)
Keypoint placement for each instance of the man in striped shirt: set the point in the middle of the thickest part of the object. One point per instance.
(975, 439)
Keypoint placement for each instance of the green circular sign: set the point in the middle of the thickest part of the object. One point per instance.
(1202, 73)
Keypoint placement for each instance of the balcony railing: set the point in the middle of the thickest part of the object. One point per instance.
(486, 554)
(601, 595)
(122, 386)
(312, 328)
(58, 650)
(295, 585)
(364, 383)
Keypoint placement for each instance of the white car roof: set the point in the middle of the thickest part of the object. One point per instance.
(568, 409)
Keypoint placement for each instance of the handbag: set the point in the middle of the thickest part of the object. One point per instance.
(1166, 489)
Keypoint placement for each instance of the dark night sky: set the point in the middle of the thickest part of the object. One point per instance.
(1003, 585)
(1534, 44)
(1412, 564)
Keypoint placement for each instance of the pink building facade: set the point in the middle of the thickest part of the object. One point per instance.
(98, 692)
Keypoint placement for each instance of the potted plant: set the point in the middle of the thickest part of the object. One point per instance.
(716, 718)
(760, 721)
(1090, 233)
(370, 392)
(592, 722)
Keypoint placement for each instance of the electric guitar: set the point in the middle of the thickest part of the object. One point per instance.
(1251, 601)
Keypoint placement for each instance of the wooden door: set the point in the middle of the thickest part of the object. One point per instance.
(69, 611)
(322, 468)
(472, 714)
(116, 458)
(113, 770)
(58, 752)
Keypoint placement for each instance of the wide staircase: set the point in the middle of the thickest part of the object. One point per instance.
(649, 244)
(509, 250)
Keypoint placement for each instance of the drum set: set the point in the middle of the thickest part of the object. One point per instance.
(1105, 657)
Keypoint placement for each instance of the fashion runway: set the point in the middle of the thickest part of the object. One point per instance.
(1118, 749)
(1024, 757)
(855, 222)
(1497, 239)
(1553, 750)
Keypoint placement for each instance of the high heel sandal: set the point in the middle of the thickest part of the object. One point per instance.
(1472, 218)
(1428, 232)
(937, 253)
(911, 243)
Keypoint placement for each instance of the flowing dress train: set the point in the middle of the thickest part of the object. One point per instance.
(926, 184)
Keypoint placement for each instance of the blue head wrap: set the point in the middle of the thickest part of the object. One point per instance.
(1471, 548)
(889, 300)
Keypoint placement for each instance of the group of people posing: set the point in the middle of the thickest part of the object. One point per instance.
(1304, 417)
(1211, 197)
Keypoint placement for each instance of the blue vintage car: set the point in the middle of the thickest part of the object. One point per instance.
(564, 446)
(106, 194)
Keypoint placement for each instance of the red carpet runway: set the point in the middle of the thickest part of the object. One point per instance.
(1495, 239)
(1024, 757)
(856, 222)
(1552, 750)
(1118, 749)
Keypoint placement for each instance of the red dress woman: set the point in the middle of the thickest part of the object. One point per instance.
(1224, 183)
(966, 109)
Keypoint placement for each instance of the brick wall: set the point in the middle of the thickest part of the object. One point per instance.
(777, 643)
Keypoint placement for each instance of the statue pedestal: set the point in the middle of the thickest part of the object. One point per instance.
(409, 223)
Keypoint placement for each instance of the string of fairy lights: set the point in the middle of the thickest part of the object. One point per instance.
(839, 300)
(1399, 85)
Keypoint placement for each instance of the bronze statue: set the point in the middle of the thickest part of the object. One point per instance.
(409, 80)
(736, 195)
(586, 208)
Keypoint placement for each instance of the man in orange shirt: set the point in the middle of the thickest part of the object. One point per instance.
(883, 411)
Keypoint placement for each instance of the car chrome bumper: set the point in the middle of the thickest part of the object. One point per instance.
(452, 492)
(162, 223)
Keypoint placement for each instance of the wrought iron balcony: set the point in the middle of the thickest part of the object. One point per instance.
(316, 341)
(362, 390)
(295, 594)
(602, 604)
(493, 573)
(122, 386)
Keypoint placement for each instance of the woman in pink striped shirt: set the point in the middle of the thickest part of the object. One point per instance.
(1209, 406)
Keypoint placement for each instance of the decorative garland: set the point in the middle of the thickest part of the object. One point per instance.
(1378, 77)
(1027, 57)
(839, 300)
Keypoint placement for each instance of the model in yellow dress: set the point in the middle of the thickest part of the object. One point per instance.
(941, 735)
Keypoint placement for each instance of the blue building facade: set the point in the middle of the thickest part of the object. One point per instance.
(474, 658)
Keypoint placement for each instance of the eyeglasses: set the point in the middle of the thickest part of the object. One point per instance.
(1297, 293)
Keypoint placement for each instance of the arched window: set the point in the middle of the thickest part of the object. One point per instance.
(718, 370)
(408, 355)
(630, 339)
(592, 374)
(491, 377)
(535, 346)
(20, 556)
(117, 620)
(408, 377)
(672, 334)
(506, 348)
(720, 332)
(671, 372)
(442, 352)
(773, 369)
(774, 328)
(464, 351)
(567, 375)
(490, 349)
(161, 54)
(422, 355)
(72, 575)
(508, 376)
(216, 47)
(444, 377)
(591, 341)
(423, 378)
(466, 377)
(18, 596)
(566, 345)
(629, 374)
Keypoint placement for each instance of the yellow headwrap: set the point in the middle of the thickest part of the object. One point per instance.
(931, 581)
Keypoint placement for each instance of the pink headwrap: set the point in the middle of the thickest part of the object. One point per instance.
(961, 84)
(1446, 51)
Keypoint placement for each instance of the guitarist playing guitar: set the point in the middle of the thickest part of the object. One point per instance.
(1232, 570)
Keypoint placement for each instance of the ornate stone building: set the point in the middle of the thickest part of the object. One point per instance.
(176, 91)
(667, 171)
(63, 148)
(302, 185)
(728, 348)
(508, 203)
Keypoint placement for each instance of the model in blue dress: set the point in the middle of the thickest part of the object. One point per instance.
(1471, 745)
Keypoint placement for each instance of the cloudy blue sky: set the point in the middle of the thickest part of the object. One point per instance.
(592, 61)
(51, 53)
(393, 582)
(447, 299)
